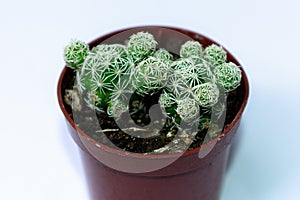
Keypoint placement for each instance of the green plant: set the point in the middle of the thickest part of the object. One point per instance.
(75, 53)
(108, 76)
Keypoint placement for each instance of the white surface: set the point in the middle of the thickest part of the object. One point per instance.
(38, 159)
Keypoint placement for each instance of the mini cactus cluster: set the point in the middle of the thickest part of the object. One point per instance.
(189, 84)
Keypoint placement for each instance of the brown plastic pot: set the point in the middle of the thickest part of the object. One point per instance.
(186, 178)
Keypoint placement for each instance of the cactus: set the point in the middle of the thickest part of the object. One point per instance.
(150, 75)
(108, 75)
(75, 54)
(116, 108)
(167, 103)
(192, 50)
(188, 70)
(204, 123)
(228, 75)
(141, 45)
(207, 94)
(163, 55)
(188, 109)
(215, 55)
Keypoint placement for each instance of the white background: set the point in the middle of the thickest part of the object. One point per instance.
(38, 159)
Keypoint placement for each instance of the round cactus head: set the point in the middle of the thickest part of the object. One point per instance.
(228, 75)
(150, 75)
(188, 109)
(163, 55)
(191, 48)
(207, 94)
(141, 45)
(75, 54)
(215, 55)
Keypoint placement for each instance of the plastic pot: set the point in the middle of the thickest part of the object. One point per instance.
(185, 176)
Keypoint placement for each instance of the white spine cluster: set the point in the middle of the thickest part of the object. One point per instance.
(228, 75)
(116, 108)
(150, 75)
(207, 94)
(188, 109)
(163, 55)
(75, 54)
(215, 55)
(192, 50)
(141, 45)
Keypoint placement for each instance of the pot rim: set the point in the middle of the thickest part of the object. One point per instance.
(227, 127)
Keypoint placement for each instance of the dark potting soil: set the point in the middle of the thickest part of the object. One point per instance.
(104, 129)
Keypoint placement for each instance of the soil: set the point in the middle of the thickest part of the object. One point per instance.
(103, 129)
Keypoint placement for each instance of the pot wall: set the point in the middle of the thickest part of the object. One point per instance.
(108, 184)
(189, 177)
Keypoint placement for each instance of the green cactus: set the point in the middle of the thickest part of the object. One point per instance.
(150, 75)
(215, 55)
(167, 103)
(121, 90)
(176, 84)
(166, 99)
(110, 75)
(228, 75)
(141, 45)
(116, 108)
(188, 109)
(93, 101)
(204, 123)
(75, 54)
(164, 55)
(192, 50)
(189, 72)
(207, 94)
